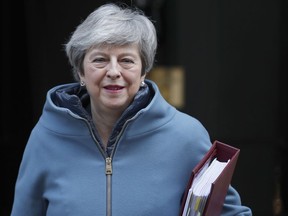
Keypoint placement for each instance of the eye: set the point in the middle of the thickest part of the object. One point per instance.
(127, 60)
(99, 60)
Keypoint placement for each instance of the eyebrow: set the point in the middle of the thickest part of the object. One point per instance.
(125, 53)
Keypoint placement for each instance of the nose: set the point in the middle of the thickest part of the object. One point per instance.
(113, 70)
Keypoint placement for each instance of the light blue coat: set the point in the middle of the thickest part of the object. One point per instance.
(65, 172)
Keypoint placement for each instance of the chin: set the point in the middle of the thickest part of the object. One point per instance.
(118, 106)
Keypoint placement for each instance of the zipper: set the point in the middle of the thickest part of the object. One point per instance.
(108, 160)
(108, 168)
(108, 171)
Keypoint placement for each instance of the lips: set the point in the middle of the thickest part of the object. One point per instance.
(113, 87)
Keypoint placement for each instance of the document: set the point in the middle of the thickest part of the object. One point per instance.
(209, 181)
(201, 188)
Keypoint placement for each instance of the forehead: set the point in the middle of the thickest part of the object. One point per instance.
(126, 48)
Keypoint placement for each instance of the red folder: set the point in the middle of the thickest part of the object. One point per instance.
(215, 200)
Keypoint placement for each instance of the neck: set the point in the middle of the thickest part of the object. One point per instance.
(104, 123)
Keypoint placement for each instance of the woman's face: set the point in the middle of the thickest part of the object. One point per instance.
(112, 75)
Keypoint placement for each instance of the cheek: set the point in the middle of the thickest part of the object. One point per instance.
(93, 75)
(134, 76)
(135, 84)
(88, 68)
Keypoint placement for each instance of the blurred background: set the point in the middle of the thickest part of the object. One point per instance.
(230, 61)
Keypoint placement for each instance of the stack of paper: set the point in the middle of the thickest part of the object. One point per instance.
(209, 181)
(200, 189)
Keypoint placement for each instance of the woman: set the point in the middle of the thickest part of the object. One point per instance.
(110, 144)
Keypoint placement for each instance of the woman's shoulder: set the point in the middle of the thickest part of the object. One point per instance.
(188, 120)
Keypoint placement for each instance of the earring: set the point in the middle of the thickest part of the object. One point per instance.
(142, 84)
(82, 83)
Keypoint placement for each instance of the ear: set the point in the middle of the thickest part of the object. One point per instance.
(81, 75)
(143, 77)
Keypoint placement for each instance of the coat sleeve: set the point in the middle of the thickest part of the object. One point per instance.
(233, 206)
(28, 196)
